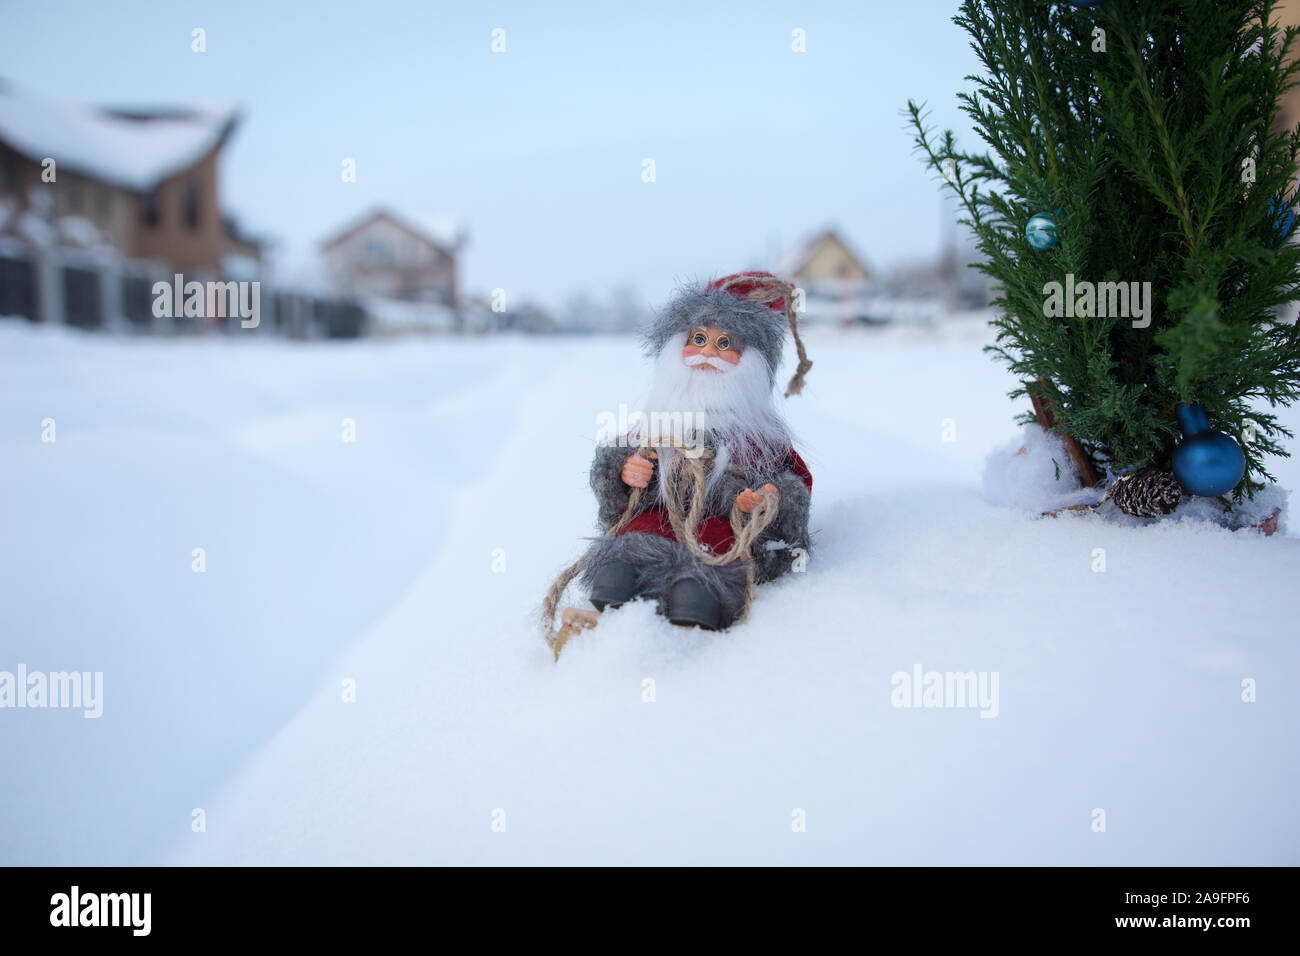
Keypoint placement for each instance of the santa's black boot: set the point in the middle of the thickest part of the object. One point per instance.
(613, 584)
(691, 604)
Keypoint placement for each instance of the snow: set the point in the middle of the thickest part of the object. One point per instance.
(27, 226)
(395, 315)
(80, 232)
(866, 306)
(1034, 473)
(136, 154)
(373, 561)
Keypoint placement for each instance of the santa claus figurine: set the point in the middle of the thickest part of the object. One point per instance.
(716, 352)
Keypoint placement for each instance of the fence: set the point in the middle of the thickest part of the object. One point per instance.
(19, 294)
(89, 292)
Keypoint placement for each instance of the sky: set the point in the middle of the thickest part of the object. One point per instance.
(540, 150)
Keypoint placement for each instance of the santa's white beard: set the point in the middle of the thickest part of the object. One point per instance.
(730, 408)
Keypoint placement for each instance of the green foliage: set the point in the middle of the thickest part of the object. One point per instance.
(1141, 152)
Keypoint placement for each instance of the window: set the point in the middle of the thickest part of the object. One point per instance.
(379, 251)
(190, 205)
(150, 211)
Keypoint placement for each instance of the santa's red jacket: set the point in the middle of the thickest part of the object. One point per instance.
(714, 532)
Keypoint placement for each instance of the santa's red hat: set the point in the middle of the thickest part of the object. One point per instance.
(763, 286)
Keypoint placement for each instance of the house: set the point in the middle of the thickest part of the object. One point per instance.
(384, 255)
(839, 287)
(142, 182)
(826, 263)
(833, 277)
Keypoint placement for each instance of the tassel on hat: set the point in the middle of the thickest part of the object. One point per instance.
(778, 295)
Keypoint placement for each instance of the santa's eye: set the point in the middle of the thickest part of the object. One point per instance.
(723, 343)
(699, 340)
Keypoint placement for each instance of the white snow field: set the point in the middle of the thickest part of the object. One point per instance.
(1119, 691)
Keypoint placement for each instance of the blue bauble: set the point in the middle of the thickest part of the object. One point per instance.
(1282, 216)
(1041, 232)
(1205, 462)
(1087, 3)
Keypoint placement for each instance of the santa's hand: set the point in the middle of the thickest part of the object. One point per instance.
(748, 499)
(637, 472)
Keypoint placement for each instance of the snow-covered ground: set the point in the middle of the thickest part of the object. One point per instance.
(410, 563)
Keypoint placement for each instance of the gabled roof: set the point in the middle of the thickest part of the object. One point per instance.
(134, 149)
(797, 259)
(443, 233)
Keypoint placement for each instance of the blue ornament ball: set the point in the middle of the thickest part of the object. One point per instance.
(1041, 232)
(1087, 3)
(1282, 216)
(1205, 462)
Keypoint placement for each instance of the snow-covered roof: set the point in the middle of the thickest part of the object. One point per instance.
(133, 149)
(447, 230)
(443, 231)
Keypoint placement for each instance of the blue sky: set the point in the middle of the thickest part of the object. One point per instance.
(539, 149)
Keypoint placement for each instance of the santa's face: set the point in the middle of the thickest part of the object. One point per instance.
(710, 349)
(711, 393)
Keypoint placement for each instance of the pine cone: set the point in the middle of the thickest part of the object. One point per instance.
(1148, 493)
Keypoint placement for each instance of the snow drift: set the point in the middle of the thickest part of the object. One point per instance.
(358, 677)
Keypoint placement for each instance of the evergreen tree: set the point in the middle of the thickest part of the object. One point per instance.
(1147, 130)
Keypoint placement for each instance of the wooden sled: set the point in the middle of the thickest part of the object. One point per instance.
(573, 621)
